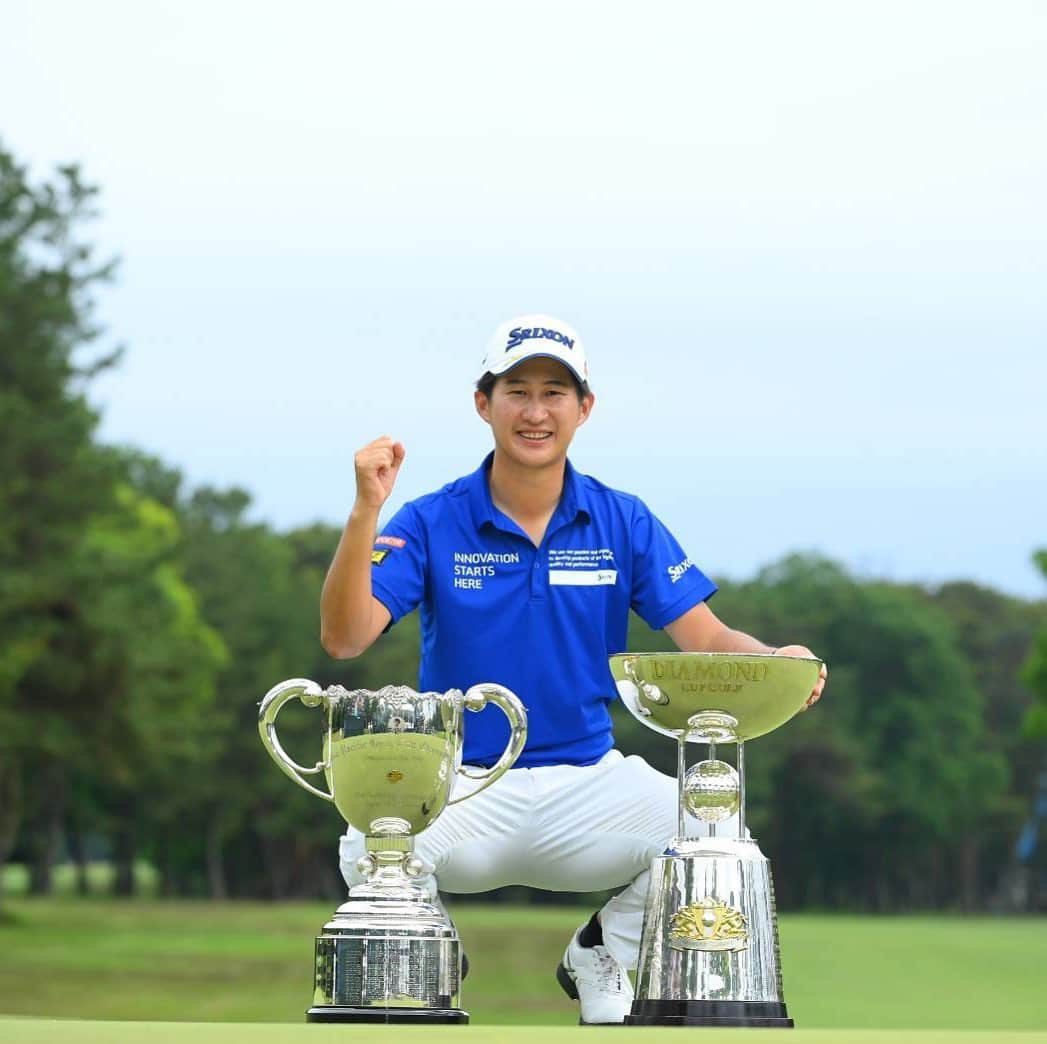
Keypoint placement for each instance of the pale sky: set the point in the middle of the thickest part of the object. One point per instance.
(804, 243)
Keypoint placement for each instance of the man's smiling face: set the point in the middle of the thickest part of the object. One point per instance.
(534, 411)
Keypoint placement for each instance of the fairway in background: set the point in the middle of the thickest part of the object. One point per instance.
(252, 962)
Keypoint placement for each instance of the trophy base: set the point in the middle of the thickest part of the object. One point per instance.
(709, 952)
(417, 1016)
(754, 1014)
(388, 959)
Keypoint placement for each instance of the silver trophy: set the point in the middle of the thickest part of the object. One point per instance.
(391, 952)
(709, 948)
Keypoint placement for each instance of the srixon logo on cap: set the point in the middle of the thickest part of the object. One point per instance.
(518, 336)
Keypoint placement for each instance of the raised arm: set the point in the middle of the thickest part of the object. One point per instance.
(351, 618)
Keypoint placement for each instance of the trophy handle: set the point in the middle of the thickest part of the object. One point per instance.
(311, 695)
(475, 700)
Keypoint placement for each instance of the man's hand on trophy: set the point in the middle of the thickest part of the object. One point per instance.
(377, 466)
(802, 650)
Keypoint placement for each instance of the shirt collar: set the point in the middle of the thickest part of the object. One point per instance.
(573, 501)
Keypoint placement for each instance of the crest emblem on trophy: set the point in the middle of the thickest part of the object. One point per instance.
(390, 953)
(709, 949)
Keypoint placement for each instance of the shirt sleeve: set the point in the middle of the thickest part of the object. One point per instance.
(398, 563)
(666, 583)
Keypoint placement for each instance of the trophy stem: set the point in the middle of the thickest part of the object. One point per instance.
(712, 757)
(681, 772)
(741, 789)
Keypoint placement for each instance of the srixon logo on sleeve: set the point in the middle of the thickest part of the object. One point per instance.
(676, 571)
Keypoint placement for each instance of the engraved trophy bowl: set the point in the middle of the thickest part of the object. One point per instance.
(709, 951)
(389, 758)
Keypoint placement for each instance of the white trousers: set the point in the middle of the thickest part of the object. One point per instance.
(560, 827)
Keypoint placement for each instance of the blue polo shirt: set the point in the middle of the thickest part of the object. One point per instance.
(539, 620)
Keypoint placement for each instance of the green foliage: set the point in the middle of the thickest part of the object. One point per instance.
(52, 477)
(1034, 673)
(101, 648)
(250, 831)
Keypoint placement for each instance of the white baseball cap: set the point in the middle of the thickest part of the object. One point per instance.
(535, 336)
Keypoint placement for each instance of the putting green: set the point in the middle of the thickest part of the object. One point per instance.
(72, 1031)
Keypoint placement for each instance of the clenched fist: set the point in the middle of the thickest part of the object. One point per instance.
(377, 466)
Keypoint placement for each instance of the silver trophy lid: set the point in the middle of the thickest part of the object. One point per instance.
(669, 691)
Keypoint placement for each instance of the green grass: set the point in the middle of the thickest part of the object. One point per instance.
(46, 1031)
(233, 962)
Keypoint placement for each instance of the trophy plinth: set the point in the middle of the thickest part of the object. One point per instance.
(390, 953)
(709, 949)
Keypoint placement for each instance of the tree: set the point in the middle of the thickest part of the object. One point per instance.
(1033, 845)
(51, 478)
(118, 707)
(896, 752)
(251, 831)
(1034, 673)
(996, 633)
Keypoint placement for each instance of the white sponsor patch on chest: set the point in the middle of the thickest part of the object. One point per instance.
(582, 567)
(583, 577)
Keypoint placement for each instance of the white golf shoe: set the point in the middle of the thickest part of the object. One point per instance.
(591, 976)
